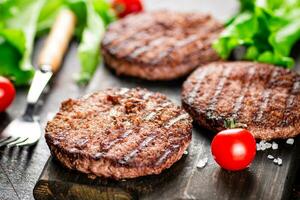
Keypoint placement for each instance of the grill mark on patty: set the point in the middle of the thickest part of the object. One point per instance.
(124, 44)
(238, 105)
(127, 133)
(116, 37)
(180, 44)
(265, 97)
(129, 156)
(166, 154)
(218, 90)
(174, 120)
(290, 102)
(117, 140)
(194, 92)
(143, 49)
(143, 144)
(154, 113)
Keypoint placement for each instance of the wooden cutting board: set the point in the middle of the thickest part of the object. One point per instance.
(262, 180)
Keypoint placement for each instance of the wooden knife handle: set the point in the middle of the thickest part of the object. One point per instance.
(58, 40)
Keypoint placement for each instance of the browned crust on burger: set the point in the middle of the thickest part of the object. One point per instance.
(161, 45)
(260, 97)
(119, 133)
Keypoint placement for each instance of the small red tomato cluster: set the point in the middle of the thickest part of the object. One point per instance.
(125, 7)
(234, 149)
(7, 93)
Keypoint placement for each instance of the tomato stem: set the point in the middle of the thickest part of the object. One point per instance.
(230, 123)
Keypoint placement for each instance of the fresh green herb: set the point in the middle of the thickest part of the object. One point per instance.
(88, 49)
(92, 18)
(268, 29)
(98, 15)
(22, 20)
(17, 32)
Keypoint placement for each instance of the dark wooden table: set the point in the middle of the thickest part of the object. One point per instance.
(20, 168)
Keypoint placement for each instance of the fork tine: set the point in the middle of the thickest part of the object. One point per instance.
(20, 140)
(26, 143)
(3, 139)
(6, 142)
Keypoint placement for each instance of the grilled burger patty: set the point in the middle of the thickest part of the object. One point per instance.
(119, 133)
(161, 45)
(261, 97)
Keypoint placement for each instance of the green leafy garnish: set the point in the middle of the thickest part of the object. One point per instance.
(18, 21)
(22, 20)
(267, 29)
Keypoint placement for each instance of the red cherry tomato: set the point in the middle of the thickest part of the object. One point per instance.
(234, 149)
(125, 7)
(7, 93)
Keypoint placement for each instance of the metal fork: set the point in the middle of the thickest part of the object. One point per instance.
(26, 130)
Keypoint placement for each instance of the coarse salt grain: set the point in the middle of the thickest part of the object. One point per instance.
(185, 152)
(268, 145)
(262, 142)
(290, 141)
(275, 160)
(279, 161)
(202, 162)
(257, 147)
(274, 145)
(270, 157)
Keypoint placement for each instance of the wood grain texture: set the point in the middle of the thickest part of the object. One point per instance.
(21, 168)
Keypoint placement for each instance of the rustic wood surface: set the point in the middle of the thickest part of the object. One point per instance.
(20, 168)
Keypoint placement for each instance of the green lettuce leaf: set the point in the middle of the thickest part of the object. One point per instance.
(92, 18)
(17, 32)
(268, 29)
(88, 49)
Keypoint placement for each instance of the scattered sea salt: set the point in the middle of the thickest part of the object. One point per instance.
(262, 145)
(274, 145)
(202, 162)
(262, 142)
(279, 161)
(268, 145)
(270, 157)
(257, 147)
(290, 141)
(185, 152)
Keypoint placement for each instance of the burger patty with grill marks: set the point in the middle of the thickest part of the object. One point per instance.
(161, 45)
(260, 97)
(119, 133)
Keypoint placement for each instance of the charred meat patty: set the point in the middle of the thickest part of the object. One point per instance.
(119, 133)
(161, 45)
(261, 97)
